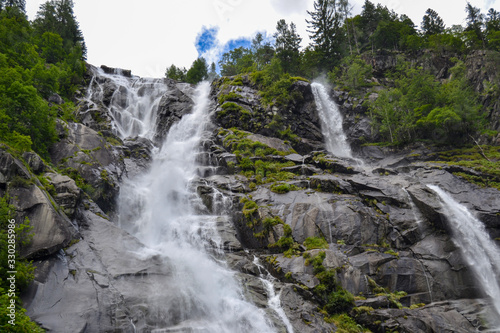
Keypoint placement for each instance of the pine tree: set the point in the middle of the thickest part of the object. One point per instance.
(20, 4)
(326, 32)
(198, 71)
(212, 74)
(288, 46)
(493, 20)
(57, 16)
(262, 51)
(475, 22)
(432, 24)
(175, 73)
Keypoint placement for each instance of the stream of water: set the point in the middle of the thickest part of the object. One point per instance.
(479, 250)
(158, 207)
(331, 122)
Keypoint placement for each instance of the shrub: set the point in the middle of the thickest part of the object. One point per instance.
(315, 243)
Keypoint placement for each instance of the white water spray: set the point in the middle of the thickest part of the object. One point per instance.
(331, 122)
(273, 299)
(199, 293)
(133, 104)
(480, 252)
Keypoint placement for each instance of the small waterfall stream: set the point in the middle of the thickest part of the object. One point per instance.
(331, 122)
(480, 252)
(198, 293)
(273, 298)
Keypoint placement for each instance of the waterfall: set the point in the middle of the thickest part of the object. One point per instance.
(331, 122)
(199, 294)
(273, 299)
(479, 251)
(133, 104)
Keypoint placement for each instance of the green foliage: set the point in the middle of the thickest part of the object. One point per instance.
(287, 46)
(282, 188)
(432, 23)
(236, 61)
(276, 87)
(334, 298)
(22, 266)
(249, 208)
(265, 169)
(353, 73)
(315, 243)
(339, 301)
(418, 107)
(231, 110)
(57, 16)
(484, 159)
(286, 243)
(346, 324)
(175, 73)
(34, 64)
(198, 71)
(326, 31)
(231, 96)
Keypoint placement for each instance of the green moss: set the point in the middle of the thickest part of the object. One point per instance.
(485, 160)
(231, 96)
(255, 158)
(315, 243)
(249, 208)
(392, 252)
(345, 324)
(18, 181)
(282, 188)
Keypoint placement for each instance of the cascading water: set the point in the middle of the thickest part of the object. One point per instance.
(480, 252)
(331, 122)
(274, 299)
(199, 294)
(133, 104)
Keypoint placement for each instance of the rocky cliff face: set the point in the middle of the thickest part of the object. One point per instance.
(377, 229)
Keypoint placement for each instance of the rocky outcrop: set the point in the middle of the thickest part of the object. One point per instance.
(87, 156)
(107, 287)
(246, 111)
(51, 230)
(382, 224)
(285, 220)
(173, 105)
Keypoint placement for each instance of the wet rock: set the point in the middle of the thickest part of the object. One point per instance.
(55, 99)
(173, 105)
(94, 277)
(51, 229)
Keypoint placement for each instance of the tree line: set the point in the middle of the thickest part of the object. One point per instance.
(340, 45)
(336, 34)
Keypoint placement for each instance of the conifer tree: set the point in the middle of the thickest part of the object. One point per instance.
(198, 71)
(57, 16)
(432, 23)
(326, 32)
(262, 51)
(475, 22)
(288, 46)
(20, 4)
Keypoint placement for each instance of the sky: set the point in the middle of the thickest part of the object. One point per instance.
(148, 36)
